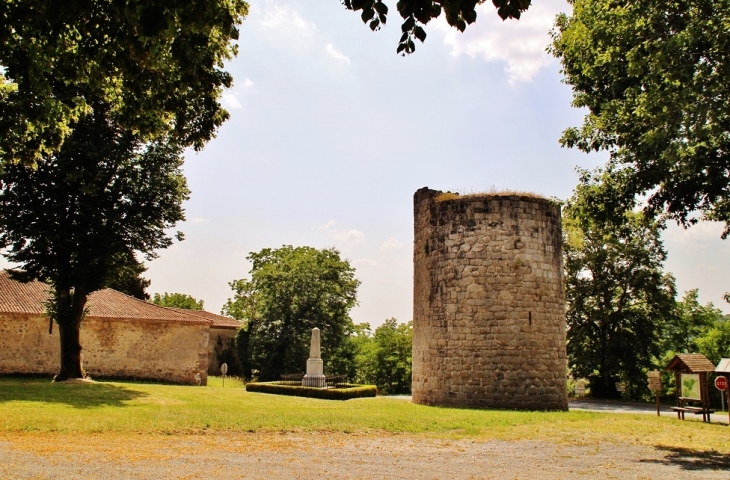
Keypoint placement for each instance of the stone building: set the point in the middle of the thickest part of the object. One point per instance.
(489, 324)
(223, 332)
(121, 336)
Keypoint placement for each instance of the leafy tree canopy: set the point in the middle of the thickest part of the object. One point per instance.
(386, 359)
(76, 218)
(689, 323)
(715, 341)
(128, 277)
(177, 300)
(291, 291)
(617, 293)
(653, 77)
(98, 100)
(156, 65)
(417, 13)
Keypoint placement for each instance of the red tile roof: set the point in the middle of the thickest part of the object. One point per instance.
(28, 298)
(16, 297)
(218, 321)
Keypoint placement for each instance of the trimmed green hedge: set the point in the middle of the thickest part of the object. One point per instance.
(345, 392)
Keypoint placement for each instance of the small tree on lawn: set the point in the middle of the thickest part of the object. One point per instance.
(291, 291)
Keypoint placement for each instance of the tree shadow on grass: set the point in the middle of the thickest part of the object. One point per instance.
(74, 394)
(691, 459)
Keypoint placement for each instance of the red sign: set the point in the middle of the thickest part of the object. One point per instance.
(721, 383)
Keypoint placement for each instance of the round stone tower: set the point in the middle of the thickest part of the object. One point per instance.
(488, 302)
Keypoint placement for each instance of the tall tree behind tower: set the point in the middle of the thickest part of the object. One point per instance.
(617, 293)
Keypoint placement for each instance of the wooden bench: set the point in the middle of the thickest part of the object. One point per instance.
(705, 412)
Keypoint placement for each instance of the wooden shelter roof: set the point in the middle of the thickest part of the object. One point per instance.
(690, 363)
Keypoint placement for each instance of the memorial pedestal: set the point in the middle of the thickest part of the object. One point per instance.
(315, 366)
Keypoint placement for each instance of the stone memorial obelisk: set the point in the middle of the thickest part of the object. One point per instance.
(315, 365)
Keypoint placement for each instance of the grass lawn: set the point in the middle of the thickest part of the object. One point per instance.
(121, 408)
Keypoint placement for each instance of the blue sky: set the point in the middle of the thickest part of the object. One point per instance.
(331, 133)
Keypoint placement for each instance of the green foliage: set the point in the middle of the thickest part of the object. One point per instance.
(417, 13)
(291, 291)
(98, 100)
(76, 218)
(365, 353)
(617, 293)
(177, 300)
(715, 342)
(243, 354)
(225, 352)
(653, 77)
(157, 66)
(689, 323)
(127, 277)
(384, 358)
(347, 392)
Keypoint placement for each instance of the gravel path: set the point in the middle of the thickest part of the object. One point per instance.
(338, 456)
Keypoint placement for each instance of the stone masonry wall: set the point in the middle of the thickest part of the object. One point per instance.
(26, 346)
(489, 315)
(173, 352)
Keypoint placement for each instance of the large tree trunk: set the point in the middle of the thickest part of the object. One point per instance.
(69, 313)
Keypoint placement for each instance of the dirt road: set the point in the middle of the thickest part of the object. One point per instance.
(338, 456)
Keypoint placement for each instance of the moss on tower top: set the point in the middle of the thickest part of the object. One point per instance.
(446, 196)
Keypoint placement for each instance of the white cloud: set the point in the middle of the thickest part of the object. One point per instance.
(199, 220)
(697, 236)
(284, 18)
(348, 236)
(230, 100)
(327, 226)
(391, 244)
(365, 262)
(341, 235)
(519, 43)
(336, 54)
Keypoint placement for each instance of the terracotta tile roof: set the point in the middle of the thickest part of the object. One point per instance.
(16, 297)
(693, 362)
(218, 321)
(109, 303)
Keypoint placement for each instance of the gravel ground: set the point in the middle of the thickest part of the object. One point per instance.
(320, 455)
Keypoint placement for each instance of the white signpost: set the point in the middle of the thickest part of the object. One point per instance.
(224, 370)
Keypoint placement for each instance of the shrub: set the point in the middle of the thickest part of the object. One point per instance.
(347, 392)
